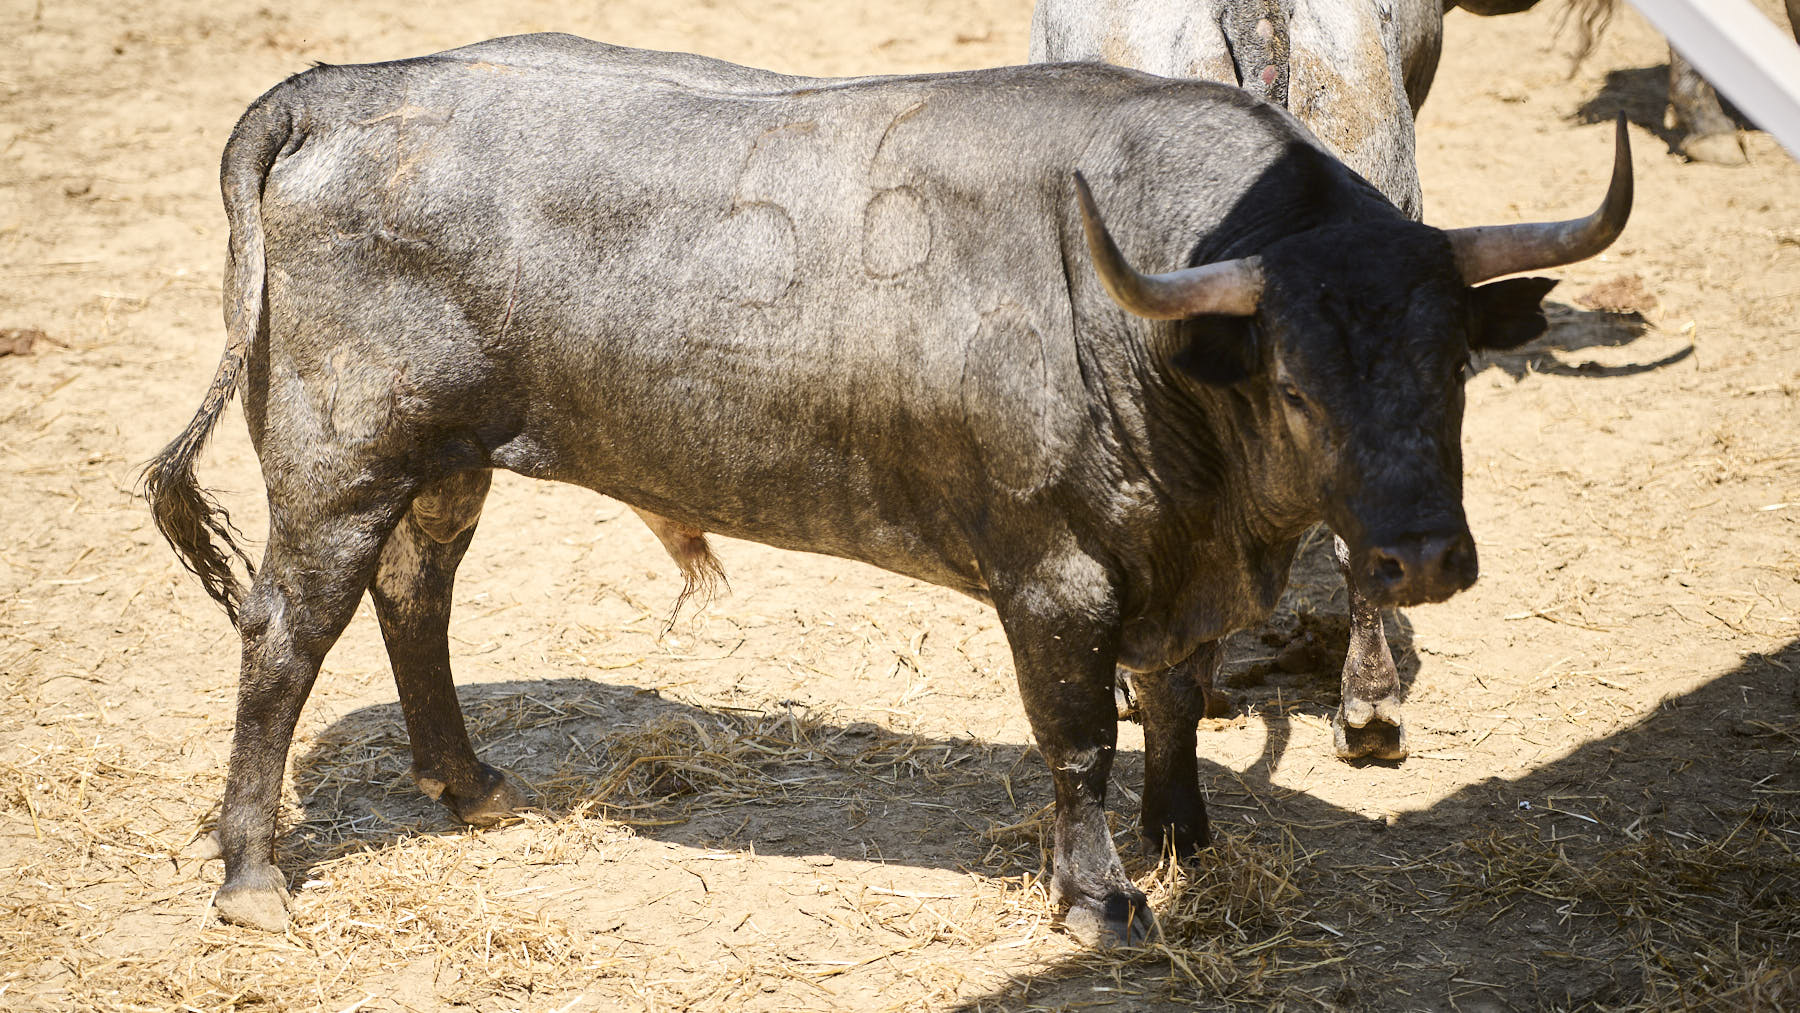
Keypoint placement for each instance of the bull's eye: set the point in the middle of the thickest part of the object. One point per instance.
(1293, 396)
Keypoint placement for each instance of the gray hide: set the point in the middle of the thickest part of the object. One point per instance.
(1354, 71)
(859, 317)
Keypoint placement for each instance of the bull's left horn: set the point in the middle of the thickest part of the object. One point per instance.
(1230, 287)
(1490, 251)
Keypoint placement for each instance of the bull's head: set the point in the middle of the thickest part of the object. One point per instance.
(1354, 340)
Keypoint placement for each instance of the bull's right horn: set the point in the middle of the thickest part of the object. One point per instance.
(1229, 287)
(1490, 251)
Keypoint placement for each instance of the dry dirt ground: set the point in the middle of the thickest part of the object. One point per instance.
(821, 792)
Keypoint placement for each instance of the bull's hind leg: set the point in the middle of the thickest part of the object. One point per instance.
(320, 557)
(412, 591)
(1368, 722)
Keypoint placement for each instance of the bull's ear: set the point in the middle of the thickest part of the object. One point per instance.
(1506, 314)
(1215, 349)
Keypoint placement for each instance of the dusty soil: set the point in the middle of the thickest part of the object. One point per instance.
(841, 807)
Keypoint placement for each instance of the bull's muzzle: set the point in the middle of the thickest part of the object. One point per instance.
(1418, 568)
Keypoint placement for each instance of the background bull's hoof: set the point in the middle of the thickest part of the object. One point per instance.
(1377, 740)
(1121, 918)
(205, 848)
(503, 796)
(1715, 149)
(256, 898)
(1125, 698)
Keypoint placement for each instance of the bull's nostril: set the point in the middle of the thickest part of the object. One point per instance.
(1389, 570)
(1460, 558)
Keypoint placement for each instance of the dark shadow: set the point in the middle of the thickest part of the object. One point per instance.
(569, 739)
(1675, 836)
(1573, 329)
(1642, 94)
(1631, 873)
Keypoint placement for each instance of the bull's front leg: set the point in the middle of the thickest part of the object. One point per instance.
(1368, 722)
(1065, 655)
(1172, 702)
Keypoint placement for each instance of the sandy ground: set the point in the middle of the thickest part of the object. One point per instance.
(843, 809)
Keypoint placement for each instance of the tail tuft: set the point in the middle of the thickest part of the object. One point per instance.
(192, 520)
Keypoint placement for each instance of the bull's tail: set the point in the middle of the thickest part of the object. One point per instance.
(1590, 18)
(190, 518)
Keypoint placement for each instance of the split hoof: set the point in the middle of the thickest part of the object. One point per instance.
(500, 797)
(1121, 918)
(256, 898)
(1376, 740)
(1715, 149)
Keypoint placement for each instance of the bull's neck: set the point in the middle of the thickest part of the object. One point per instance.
(1197, 461)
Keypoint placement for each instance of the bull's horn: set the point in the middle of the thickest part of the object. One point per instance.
(1230, 287)
(1490, 251)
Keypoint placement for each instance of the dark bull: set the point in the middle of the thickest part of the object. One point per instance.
(742, 302)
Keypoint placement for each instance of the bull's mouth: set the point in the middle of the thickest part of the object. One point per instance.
(1417, 569)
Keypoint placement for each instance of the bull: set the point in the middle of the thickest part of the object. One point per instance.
(743, 302)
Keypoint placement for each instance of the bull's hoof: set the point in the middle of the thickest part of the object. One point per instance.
(1376, 740)
(1715, 149)
(500, 796)
(1120, 917)
(256, 897)
(1218, 705)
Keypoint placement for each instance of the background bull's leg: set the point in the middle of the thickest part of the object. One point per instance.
(1065, 668)
(1368, 722)
(313, 574)
(1707, 134)
(1172, 702)
(412, 593)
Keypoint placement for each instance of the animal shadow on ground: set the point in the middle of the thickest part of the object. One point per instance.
(1642, 94)
(1573, 329)
(1653, 868)
(725, 778)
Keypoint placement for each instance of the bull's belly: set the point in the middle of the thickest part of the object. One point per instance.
(762, 504)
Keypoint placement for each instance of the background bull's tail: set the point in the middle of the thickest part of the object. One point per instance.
(1590, 18)
(191, 519)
